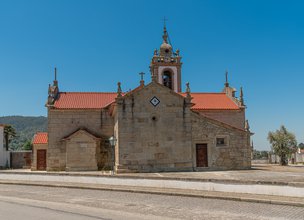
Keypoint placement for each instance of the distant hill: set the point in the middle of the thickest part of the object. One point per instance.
(25, 128)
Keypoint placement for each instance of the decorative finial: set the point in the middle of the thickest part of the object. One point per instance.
(165, 19)
(188, 91)
(241, 100)
(165, 35)
(247, 127)
(155, 52)
(55, 83)
(177, 52)
(119, 89)
(142, 82)
(226, 82)
(55, 73)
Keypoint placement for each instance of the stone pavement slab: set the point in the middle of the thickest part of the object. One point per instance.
(259, 174)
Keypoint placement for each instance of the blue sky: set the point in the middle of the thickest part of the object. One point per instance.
(95, 44)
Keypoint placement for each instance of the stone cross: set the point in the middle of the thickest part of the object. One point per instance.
(165, 19)
(142, 76)
(119, 89)
(142, 82)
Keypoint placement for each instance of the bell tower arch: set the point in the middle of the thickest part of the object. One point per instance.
(166, 65)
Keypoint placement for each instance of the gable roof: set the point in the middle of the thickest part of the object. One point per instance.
(84, 100)
(139, 88)
(40, 138)
(81, 130)
(99, 100)
(212, 101)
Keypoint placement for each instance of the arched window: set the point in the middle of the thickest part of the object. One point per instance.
(167, 79)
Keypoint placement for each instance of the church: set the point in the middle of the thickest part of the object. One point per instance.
(153, 128)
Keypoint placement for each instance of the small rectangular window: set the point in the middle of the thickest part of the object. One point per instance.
(221, 141)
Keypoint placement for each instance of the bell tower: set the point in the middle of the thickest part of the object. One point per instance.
(166, 65)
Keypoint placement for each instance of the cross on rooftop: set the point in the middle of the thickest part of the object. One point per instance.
(142, 75)
(142, 82)
(165, 19)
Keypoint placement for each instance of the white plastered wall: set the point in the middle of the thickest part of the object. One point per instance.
(4, 155)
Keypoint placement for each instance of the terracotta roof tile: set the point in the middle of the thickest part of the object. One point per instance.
(98, 100)
(84, 100)
(212, 101)
(40, 138)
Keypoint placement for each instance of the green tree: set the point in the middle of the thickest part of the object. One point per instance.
(27, 145)
(26, 128)
(283, 143)
(264, 154)
(9, 134)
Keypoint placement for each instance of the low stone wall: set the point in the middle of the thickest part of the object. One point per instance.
(21, 159)
(260, 161)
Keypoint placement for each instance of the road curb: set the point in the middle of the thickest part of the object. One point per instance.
(123, 176)
(276, 200)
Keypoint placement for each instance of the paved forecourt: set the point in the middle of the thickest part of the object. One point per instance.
(262, 180)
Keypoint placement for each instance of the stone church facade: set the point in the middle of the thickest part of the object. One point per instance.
(157, 126)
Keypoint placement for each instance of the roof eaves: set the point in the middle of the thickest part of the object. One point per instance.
(78, 108)
(226, 109)
(78, 130)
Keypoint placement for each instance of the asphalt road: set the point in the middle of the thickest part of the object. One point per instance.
(50, 203)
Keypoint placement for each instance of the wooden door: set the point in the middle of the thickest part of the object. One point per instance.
(201, 155)
(41, 159)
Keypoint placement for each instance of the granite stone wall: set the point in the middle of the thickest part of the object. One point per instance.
(153, 138)
(62, 123)
(21, 159)
(82, 152)
(156, 131)
(235, 154)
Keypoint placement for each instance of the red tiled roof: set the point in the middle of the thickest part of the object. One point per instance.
(212, 101)
(98, 100)
(84, 100)
(40, 138)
